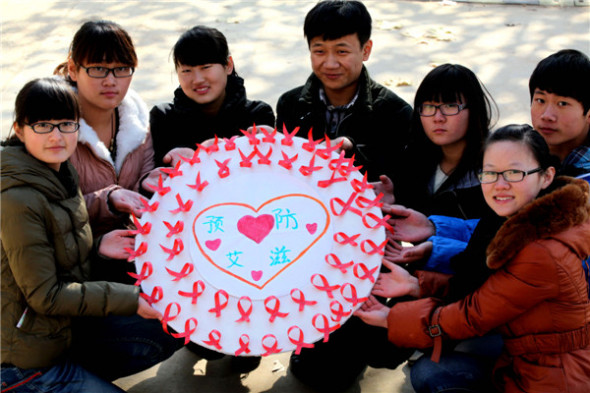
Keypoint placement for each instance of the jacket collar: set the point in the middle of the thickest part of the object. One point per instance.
(566, 206)
(133, 130)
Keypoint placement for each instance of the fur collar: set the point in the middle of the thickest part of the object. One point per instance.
(565, 207)
(133, 130)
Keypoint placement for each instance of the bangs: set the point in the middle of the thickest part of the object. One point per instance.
(103, 41)
(201, 45)
(50, 99)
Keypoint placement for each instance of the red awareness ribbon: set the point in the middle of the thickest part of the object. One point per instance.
(300, 299)
(214, 339)
(268, 137)
(176, 249)
(325, 285)
(343, 165)
(287, 162)
(309, 169)
(182, 207)
(345, 206)
(326, 152)
(160, 189)
(198, 289)
(288, 138)
(334, 261)
(194, 159)
(245, 312)
(343, 239)
(375, 249)
(188, 331)
(199, 186)
(354, 299)
(311, 144)
(223, 168)
(361, 185)
(263, 159)
(147, 208)
(251, 136)
(247, 161)
(146, 271)
(325, 327)
(367, 273)
(274, 310)
(244, 344)
(299, 340)
(210, 149)
(221, 301)
(367, 203)
(331, 180)
(141, 229)
(273, 347)
(173, 172)
(155, 297)
(167, 317)
(174, 229)
(379, 222)
(338, 311)
(230, 143)
(186, 270)
(137, 252)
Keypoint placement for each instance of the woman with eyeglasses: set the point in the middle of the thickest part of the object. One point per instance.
(452, 115)
(46, 256)
(114, 146)
(532, 288)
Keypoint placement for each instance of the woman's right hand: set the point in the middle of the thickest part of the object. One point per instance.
(146, 311)
(410, 254)
(395, 283)
(408, 225)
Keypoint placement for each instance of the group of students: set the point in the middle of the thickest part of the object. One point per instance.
(497, 239)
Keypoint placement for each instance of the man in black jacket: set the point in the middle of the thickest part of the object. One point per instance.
(340, 99)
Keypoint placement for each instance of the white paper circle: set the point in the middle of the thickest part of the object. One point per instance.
(253, 248)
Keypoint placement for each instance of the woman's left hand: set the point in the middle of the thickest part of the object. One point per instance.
(373, 313)
(115, 244)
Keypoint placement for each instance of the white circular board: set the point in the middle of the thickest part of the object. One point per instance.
(260, 244)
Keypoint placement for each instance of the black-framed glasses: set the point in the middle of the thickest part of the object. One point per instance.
(428, 110)
(43, 127)
(103, 72)
(510, 175)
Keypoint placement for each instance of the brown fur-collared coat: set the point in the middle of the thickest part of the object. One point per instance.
(537, 298)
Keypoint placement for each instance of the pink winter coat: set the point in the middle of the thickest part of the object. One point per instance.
(99, 175)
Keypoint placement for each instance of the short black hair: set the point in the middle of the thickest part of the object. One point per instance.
(565, 73)
(332, 19)
(201, 45)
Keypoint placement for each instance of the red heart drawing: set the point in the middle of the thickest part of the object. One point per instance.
(256, 228)
(255, 246)
(311, 228)
(256, 275)
(213, 244)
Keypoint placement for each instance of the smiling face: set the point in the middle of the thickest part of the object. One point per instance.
(99, 93)
(53, 148)
(338, 64)
(507, 198)
(205, 84)
(561, 121)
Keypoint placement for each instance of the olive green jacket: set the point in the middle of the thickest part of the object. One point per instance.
(46, 243)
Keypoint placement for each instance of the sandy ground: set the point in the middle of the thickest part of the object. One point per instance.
(500, 43)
